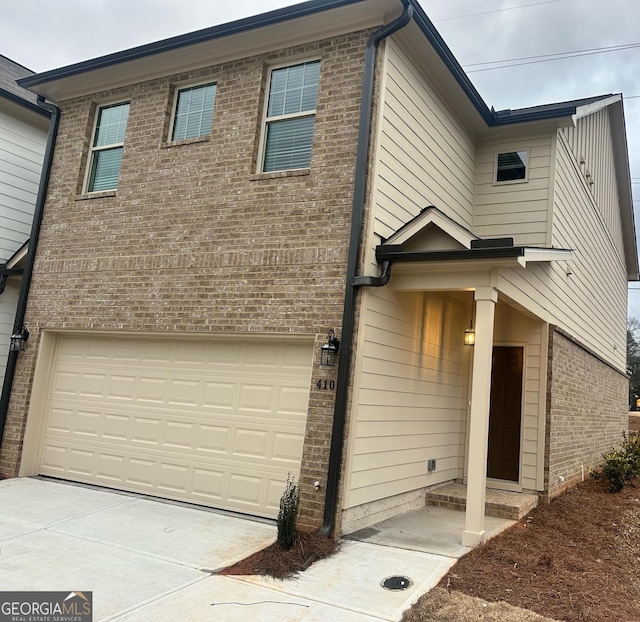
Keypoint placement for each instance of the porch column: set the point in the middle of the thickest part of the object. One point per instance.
(486, 298)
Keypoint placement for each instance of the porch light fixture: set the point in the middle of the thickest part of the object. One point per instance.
(470, 333)
(19, 339)
(329, 350)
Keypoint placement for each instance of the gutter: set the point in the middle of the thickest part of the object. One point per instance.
(28, 268)
(16, 99)
(357, 217)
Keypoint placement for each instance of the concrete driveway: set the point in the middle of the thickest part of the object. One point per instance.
(148, 560)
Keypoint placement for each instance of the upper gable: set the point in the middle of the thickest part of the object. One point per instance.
(591, 144)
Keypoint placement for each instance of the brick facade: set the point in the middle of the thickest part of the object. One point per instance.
(586, 412)
(193, 240)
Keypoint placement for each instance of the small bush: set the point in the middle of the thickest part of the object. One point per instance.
(620, 465)
(288, 514)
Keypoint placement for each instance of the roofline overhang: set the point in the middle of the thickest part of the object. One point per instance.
(27, 105)
(35, 82)
(18, 256)
(520, 255)
(623, 182)
(38, 83)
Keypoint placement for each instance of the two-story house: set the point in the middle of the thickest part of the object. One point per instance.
(23, 136)
(220, 201)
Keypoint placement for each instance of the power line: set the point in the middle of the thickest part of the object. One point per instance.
(510, 8)
(546, 58)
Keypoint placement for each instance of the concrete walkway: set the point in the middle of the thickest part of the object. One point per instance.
(148, 560)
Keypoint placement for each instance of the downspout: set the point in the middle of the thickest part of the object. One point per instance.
(348, 317)
(28, 268)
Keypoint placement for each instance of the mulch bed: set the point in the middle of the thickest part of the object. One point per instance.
(274, 561)
(575, 559)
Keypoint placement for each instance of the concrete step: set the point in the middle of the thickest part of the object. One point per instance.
(498, 503)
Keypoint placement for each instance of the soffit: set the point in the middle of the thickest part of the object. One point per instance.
(115, 70)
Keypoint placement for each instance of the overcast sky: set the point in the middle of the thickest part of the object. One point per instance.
(46, 34)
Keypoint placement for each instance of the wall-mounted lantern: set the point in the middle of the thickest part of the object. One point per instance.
(19, 339)
(329, 350)
(470, 333)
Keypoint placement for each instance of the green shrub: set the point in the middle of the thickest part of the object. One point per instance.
(288, 514)
(620, 465)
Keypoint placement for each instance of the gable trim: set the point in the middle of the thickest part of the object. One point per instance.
(432, 215)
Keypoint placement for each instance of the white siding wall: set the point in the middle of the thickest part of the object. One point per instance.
(590, 302)
(21, 154)
(411, 394)
(590, 141)
(425, 156)
(518, 210)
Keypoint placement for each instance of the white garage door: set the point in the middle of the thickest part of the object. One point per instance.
(215, 423)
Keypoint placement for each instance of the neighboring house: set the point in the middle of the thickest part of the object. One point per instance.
(23, 136)
(219, 201)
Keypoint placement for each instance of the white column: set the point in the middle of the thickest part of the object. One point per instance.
(486, 298)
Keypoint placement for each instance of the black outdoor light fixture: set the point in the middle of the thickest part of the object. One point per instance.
(329, 350)
(19, 339)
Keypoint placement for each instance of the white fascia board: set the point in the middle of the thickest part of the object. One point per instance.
(587, 109)
(533, 254)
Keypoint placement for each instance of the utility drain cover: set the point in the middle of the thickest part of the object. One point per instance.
(396, 583)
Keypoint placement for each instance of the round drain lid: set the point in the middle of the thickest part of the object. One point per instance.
(396, 583)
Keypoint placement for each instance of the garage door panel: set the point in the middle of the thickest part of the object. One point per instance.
(214, 423)
(87, 423)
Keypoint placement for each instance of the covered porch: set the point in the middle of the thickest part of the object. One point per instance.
(438, 411)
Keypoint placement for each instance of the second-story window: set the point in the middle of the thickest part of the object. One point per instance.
(107, 147)
(511, 166)
(290, 116)
(193, 111)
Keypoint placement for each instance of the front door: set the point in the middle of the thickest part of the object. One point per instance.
(505, 415)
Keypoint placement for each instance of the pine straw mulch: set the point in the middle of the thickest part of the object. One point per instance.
(575, 559)
(274, 561)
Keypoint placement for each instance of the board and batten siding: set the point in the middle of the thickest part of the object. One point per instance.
(518, 210)
(590, 143)
(21, 155)
(586, 296)
(411, 395)
(424, 156)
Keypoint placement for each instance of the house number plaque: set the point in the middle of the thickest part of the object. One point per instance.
(326, 385)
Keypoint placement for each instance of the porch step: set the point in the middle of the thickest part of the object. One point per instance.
(498, 503)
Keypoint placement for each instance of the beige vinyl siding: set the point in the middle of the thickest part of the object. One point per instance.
(411, 395)
(520, 209)
(590, 140)
(21, 155)
(424, 155)
(590, 302)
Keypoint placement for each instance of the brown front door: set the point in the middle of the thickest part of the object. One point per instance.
(505, 415)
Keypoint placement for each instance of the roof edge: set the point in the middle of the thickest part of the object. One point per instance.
(16, 99)
(191, 38)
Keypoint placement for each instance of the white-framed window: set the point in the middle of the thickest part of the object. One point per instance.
(193, 111)
(512, 166)
(107, 146)
(290, 116)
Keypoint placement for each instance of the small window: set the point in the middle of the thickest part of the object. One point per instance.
(107, 147)
(512, 166)
(194, 112)
(290, 117)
